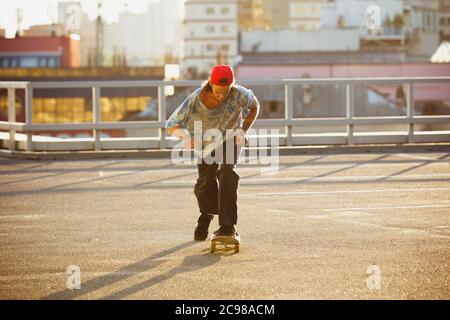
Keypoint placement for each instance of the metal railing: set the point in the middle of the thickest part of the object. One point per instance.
(289, 122)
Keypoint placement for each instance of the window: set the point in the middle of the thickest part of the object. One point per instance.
(52, 62)
(210, 47)
(301, 9)
(225, 29)
(41, 62)
(209, 11)
(14, 62)
(225, 10)
(29, 62)
(210, 29)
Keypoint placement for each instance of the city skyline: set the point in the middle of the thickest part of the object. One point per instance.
(46, 11)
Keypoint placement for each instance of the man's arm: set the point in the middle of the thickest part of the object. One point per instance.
(174, 124)
(253, 111)
(177, 131)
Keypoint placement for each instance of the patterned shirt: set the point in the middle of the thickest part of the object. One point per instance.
(229, 114)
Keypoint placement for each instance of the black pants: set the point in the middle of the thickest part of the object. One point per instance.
(217, 185)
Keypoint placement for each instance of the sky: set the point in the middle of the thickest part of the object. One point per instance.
(45, 11)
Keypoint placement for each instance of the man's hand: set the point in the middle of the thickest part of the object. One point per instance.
(239, 135)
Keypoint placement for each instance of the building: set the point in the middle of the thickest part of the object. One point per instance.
(210, 35)
(379, 22)
(172, 30)
(262, 14)
(444, 20)
(128, 36)
(421, 27)
(146, 38)
(296, 40)
(306, 14)
(33, 52)
(250, 14)
(398, 25)
(275, 13)
(354, 12)
(46, 30)
(77, 21)
(265, 14)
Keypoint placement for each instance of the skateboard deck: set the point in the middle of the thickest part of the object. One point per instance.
(225, 241)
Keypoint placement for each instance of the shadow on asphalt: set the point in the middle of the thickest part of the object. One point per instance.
(155, 184)
(427, 162)
(190, 263)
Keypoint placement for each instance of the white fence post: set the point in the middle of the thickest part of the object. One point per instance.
(350, 112)
(12, 116)
(162, 115)
(29, 115)
(96, 116)
(288, 111)
(410, 112)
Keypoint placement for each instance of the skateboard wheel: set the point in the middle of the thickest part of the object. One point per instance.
(213, 248)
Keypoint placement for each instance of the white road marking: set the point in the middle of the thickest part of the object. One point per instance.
(393, 207)
(23, 216)
(405, 155)
(331, 178)
(279, 211)
(342, 191)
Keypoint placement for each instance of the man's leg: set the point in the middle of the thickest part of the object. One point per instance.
(206, 192)
(228, 185)
(206, 189)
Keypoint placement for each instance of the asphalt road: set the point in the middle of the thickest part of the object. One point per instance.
(310, 230)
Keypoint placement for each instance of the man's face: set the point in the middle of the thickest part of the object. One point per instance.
(220, 93)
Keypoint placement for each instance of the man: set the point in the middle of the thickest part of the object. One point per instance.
(222, 105)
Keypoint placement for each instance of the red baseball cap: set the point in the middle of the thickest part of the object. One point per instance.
(222, 76)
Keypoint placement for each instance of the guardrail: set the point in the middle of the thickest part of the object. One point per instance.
(288, 139)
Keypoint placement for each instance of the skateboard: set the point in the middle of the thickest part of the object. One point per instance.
(226, 241)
